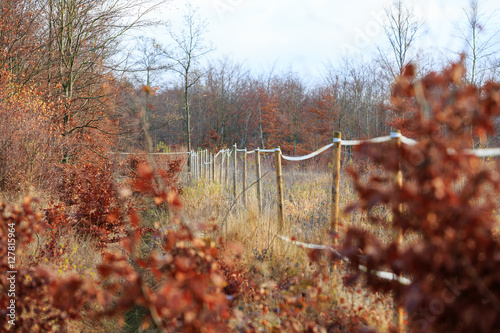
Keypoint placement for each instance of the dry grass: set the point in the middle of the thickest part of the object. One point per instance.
(307, 218)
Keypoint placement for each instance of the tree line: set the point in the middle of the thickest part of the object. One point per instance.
(223, 102)
(66, 62)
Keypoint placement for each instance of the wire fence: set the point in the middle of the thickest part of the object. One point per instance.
(234, 168)
(263, 161)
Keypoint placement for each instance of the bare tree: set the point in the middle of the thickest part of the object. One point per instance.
(359, 95)
(147, 61)
(84, 35)
(401, 28)
(292, 100)
(224, 95)
(189, 46)
(480, 44)
(21, 45)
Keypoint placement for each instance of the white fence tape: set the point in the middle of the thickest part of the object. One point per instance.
(387, 276)
(173, 153)
(408, 141)
(382, 275)
(213, 159)
(311, 246)
(485, 152)
(358, 142)
(246, 151)
(343, 143)
(267, 150)
(305, 157)
(348, 142)
(482, 153)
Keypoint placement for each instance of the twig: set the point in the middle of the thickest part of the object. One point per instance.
(6, 200)
(37, 244)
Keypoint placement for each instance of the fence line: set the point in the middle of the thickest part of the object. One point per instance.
(203, 167)
(479, 152)
(172, 153)
(395, 138)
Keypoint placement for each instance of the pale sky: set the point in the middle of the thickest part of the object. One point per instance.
(307, 34)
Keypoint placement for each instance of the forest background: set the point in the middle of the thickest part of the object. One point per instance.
(78, 86)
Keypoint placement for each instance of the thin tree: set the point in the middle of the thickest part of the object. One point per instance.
(147, 61)
(84, 36)
(480, 44)
(189, 46)
(401, 29)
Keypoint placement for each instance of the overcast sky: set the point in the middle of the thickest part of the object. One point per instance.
(307, 34)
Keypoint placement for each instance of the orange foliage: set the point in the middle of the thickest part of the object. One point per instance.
(450, 200)
(30, 142)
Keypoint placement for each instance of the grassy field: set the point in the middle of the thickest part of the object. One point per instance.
(282, 275)
(278, 284)
(307, 204)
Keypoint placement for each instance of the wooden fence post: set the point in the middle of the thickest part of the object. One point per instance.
(235, 180)
(258, 174)
(334, 222)
(221, 169)
(195, 165)
(190, 169)
(207, 166)
(213, 166)
(203, 165)
(279, 183)
(397, 232)
(244, 178)
(226, 172)
(200, 163)
(205, 154)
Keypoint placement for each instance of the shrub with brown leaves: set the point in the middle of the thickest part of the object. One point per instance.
(88, 189)
(449, 198)
(39, 300)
